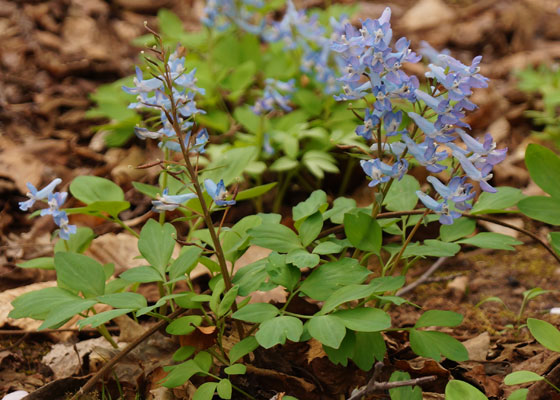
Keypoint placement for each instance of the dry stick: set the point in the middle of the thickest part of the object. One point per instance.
(375, 386)
(99, 374)
(423, 278)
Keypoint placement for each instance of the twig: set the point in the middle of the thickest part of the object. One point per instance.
(375, 386)
(111, 363)
(422, 278)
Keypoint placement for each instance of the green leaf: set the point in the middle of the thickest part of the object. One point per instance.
(250, 277)
(242, 348)
(77, 243)
(505, 197)
(404, 392)
(301, 258)
(282, 273)
(169, 23)
(432, 248)
(101, 318)
(327, 329)
(433, 345)
(520, 377)
(276, 330)
(256, 312)
(544, 167)
(142, 274)
(363, 232)
(230, 165)
(79, 273)
(64, 312)
(148, 190)
(318, 162)
(439, 318)
(248, 119)
(461, 228)
(519, 394)
(255, 191)
(545, 333)
(534, 292)
(491, 240)
(541, 208)
(459, 390)
(130, 300)
(181, 373)
(374, 342)
(40, 263)
(341, 206)
(317, 201)
(307, 100)
(555, 241)
(344, 351)
(227, 302)
(283, 164)
(156, 243)
(237, 369)
(310, 228)
(205, 391)
(39, 303)
(330, 276)
(387, 283)
(328, 247)
(276, 237)
(241, 77)
(184, 325)
(364, 319)
(113, 208)
(185, 263)
(89, 189)
(402, 194)
(345, 294)
(224, 389)
(183, 353)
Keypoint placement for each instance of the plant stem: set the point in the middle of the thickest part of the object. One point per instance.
(102, 329)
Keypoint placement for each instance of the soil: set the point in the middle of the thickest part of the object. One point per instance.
(55, 53)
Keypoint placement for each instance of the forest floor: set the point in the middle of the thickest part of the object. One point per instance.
(55, 53)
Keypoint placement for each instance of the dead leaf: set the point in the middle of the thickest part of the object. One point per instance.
(478, 347)
(427, 14)
(458, 287)
(315, 350)
(8, 296)
(66, 359)
(201, 338)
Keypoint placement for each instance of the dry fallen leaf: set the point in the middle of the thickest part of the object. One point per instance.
(478, 346)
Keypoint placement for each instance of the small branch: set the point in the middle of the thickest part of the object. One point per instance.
(423, 278)
(111, 363)
(375, 386)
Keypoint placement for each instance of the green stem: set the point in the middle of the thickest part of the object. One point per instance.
(408, 239)
(282, 190)
(125, 227)
(102, 329)
(347, 175)
(164, 183)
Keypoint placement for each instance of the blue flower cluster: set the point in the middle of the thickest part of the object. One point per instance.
(151, 94)
(172, 93)
(54, 201)
(220, 14)
(298, 31)
(373, 67)
(276, 94)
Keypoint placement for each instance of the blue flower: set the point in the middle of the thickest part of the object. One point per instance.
(441, 208)
(426, 154)
(456, 191)
(61, 219)
(142, 85)
(371, 120)
(167, 202)
(276, 94)
(392, 122)
(35, 194)
(377, 170)
(217, 192)
(482, 175)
